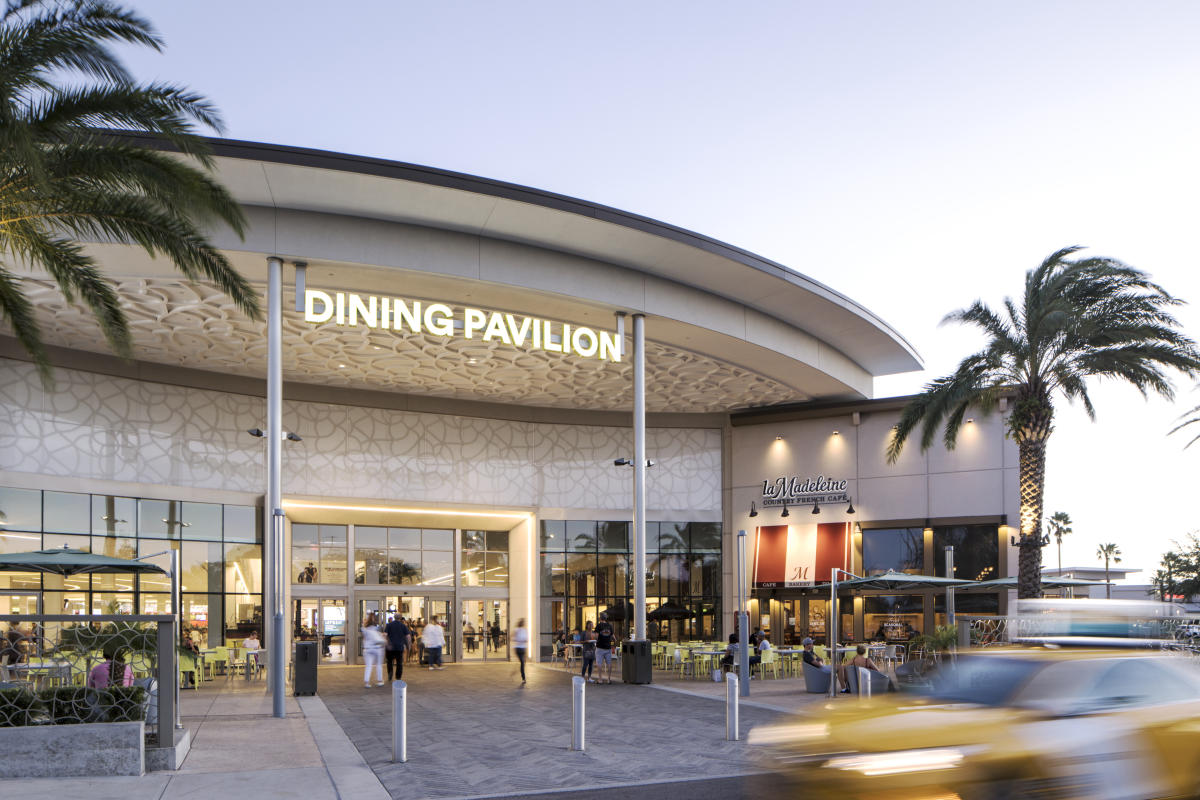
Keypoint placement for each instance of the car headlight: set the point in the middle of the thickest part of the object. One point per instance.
(789, 734)
(899, 761)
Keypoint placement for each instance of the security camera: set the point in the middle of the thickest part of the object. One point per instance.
(291, 437)
(649, 463)
(256, 432)
(622, 462)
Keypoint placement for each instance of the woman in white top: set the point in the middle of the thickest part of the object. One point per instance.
(372, 645)
(521, 644)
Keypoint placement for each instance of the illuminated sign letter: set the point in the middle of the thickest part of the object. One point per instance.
(368, 311)
(402, 314)
(518, 334)
(310, 312)
(547, 341)
(473, 320)
(610, 347)
(586, 350)
(495, 329)
(339, 315)
(439, 319)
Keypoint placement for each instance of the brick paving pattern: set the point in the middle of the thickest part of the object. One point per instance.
(473, 730)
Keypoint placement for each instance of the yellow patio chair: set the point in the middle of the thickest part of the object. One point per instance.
(770, 661)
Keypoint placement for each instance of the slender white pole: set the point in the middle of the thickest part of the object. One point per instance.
(743, 618)
(578, 712)
(274, 505)
(399, 721)
(177, 605)
(833, 632)
(731, 707)
(639, 477)
(950, 589)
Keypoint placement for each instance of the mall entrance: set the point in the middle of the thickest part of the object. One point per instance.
(485, 628)
(323, 620)
(417, 611)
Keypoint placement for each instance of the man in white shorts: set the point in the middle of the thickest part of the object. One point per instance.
(605, 644)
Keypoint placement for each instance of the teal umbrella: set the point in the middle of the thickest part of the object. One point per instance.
(999, 583)
(69, 561)
(897, 581)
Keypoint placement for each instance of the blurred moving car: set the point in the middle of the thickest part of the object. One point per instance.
(1010, 723)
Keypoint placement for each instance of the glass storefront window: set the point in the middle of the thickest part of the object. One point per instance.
(437, 539)
(976, 551)
(115, 548)
(243, 524)
(581, 536)
(437, 568)
(66, 512)
(484, 559)
(202, 521)
(966, 603)
(21, 509)
(818, 615)
(155, 603)
(613, 537)
(20, 543)
(243, 568)
(332, 568)
(706, 537)
(404, 538)
(554, 534)
(673, 537)
(114, 516)
(370, 555)
(612, 575)
(404, 566)
(243, 616)
(200, 567)
(495, 571)
(155, 582)
(895, 549)
(554, 574)
(893, 618)
(674, 578)
(160, 519)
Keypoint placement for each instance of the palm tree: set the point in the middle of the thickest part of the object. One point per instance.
(65, 176)
(1077, 318)
(1109, 552)
(1060, 526)
(1190, 417)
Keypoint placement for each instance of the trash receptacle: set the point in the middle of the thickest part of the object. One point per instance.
(636, 664)
(304, 676)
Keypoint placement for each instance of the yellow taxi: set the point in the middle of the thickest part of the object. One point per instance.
(1036, 722)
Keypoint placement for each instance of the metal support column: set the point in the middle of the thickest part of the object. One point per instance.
(639, 477)
(950, 589)
(274, 505)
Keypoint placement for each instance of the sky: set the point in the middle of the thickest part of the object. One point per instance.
(913, 156)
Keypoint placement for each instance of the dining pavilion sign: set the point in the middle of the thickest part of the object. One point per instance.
(439, 319)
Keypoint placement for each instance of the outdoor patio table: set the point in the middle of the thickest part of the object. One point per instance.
(44, 672)
(704, 656)
(204, 654)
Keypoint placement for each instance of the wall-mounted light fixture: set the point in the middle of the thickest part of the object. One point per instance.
(816, 508)
(257, 433)
(785, 512)
(837, 433)
(850, 508)
(753, 510)
(779, 437)
(970, 420)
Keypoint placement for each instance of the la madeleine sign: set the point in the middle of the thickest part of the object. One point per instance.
(439, 319)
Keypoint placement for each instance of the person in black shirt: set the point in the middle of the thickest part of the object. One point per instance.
(605, 642)
(398, 639)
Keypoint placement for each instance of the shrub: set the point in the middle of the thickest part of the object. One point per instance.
(125, 703)
(20, 707)
(70, 705)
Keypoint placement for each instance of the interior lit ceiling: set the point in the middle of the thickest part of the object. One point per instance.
(195, 325)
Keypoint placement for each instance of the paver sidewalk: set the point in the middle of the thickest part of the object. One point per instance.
(475, 731)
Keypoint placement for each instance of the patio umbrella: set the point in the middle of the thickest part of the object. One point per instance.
(1046, 581)
(68, 561)
(670, 610)
(898, 581)
(619, 612)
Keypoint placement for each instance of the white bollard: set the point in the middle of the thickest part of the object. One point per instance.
(864, 681)
(577, 712)
(731, 707)
(399, 721)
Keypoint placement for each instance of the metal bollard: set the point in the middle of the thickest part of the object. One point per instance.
(577, 712)
(399, 721)
(864, 681)
(731, 707)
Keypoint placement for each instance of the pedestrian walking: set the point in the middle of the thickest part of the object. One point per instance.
(496, 635)
(434, 639)
(372, 645)
(605, 642)
(521, 644)
(399, 638)
(588, 655)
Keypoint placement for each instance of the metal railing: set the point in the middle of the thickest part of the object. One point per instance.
(62, 669)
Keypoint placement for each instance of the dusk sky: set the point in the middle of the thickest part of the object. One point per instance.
(913, 156)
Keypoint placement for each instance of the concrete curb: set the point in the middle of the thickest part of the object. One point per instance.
(348, 771)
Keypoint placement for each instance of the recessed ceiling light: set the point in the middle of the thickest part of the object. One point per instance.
(341, 366)
(377, 347)
(472, 361)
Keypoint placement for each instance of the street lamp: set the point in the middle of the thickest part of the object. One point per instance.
(743, 618)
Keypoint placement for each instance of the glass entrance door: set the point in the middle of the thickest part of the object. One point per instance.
(484, 630)
(322, 621)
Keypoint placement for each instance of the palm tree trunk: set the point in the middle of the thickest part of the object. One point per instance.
(1032, 484)
(1107, 582)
